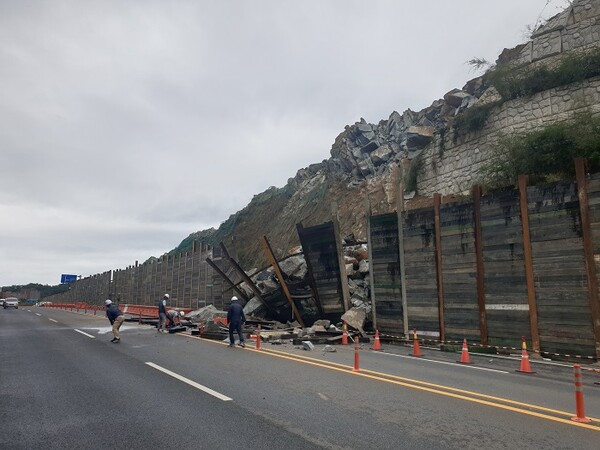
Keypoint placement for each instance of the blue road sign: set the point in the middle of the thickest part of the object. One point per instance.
(66, 279)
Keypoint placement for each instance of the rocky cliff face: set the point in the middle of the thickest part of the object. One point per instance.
(369, 161)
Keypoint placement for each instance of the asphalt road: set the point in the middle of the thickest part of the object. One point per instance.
(63, 385)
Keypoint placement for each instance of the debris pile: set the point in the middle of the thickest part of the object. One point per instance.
(273, 312)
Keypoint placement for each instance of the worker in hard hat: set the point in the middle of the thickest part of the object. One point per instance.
(116, 318)
(235, 320)
(162, 314)
(173, 317)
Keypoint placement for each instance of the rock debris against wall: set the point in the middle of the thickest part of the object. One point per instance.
(366, 151)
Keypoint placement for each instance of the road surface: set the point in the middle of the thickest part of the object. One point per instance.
(63, 385)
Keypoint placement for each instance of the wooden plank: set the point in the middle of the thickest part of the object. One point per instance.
(320, 250)
(371, 263)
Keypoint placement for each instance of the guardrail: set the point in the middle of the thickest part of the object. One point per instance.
(141, 311)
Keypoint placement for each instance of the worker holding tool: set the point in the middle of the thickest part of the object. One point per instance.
(162, 314)
(116, 318)
(235, 320)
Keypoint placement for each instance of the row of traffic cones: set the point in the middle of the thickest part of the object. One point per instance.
(464, 354)
(464, 359)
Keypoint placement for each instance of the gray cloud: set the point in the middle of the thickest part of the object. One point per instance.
(125, 126)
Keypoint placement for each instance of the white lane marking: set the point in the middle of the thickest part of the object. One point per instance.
(85, 334)
(323, 396)
(444, 362)
(28, 310)
(38, 314)
(190, 382)
(55, 321)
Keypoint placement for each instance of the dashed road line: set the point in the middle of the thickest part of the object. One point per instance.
(85, 334)
(190, 382)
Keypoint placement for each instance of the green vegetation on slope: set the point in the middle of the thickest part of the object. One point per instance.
(546, 154)
(514, 82)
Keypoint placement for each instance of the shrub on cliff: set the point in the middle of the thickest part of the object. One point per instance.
(546, 154)
(518, 82)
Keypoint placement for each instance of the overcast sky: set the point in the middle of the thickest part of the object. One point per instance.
(127, 125)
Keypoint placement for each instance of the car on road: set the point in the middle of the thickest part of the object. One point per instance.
(11, 302)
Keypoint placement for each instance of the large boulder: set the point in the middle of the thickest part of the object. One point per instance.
(418, 137)
(456, 97)
(363, 267)
(294, 267)
(355, 318)
(205, 314)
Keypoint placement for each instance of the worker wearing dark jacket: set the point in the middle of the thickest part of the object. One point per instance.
(235, 320)
(116, 318)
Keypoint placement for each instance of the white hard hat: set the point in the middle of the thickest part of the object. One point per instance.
(107, 302)
(166, 295)
(234, 299)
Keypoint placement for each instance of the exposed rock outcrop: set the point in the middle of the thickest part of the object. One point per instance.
(367, 159)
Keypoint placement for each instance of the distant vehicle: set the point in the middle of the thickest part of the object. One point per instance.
(30, 302)
(11, 302)
(43, 303)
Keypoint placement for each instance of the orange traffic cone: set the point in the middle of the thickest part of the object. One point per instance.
(377, 343)
(464, 355)
(416, 349)
(356, 366)
(580, 417)
(525, 367)
(345, 335)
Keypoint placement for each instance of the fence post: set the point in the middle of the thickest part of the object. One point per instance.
(483, 332)
(527, 254)
(588, 250)
(437, 200)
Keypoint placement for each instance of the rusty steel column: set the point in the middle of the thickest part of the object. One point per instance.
(527, 253)
(275, 265)
(437, 200)
(588, 250)
(483, 332)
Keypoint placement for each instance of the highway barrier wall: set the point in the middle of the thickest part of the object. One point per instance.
(490, 269)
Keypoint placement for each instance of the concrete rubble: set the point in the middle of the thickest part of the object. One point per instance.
(274, 330)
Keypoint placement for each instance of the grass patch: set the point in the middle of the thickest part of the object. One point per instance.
(472, 119)
(514, 83)
(545, 155)
(417, 166)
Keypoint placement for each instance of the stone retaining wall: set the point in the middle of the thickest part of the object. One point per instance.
(454, 166)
